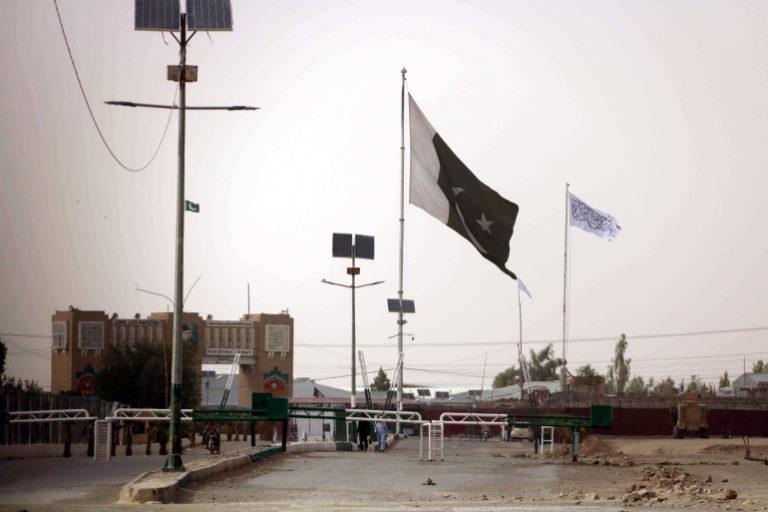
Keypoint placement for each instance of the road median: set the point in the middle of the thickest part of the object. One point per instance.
(158, 486)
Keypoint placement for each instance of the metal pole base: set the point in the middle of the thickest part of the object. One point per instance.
(173, 464)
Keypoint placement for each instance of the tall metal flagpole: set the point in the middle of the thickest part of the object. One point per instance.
(402, 231)
(565, 284)
(520, 339)
(353, 394)
(173, 462)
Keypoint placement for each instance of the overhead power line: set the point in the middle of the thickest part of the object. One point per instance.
(540, 342)
(93, 116)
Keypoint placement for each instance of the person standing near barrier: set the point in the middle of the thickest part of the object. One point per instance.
(363, 431)
(381, 435)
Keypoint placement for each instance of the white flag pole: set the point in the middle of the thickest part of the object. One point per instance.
(565, 282)
(400, 321)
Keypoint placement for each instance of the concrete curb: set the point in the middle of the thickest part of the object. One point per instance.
(159, 487)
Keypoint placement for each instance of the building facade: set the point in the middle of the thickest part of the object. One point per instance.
(264, 342)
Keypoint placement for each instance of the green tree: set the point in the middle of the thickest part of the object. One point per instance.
(586, 371)
(759, 367)
(543, 365)
(637, 387)
(665, 387)
(381, 381)
(3, 353)
(696, 385)
(506, 378)
(618, 372)
(138, 374)
(725, 381)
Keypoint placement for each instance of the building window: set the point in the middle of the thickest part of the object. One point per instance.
(132, 335)
(150, 333)
(216, 337)
(90, 335)
(159, 333)
(224, 338)
(60, 335)
(243, 339)
(141, 333)
(251, 336)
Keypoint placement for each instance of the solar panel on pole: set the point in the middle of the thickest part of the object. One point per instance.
(342, 245)
(393, 305)
(209, 15)
(364, 247)
(157, 15)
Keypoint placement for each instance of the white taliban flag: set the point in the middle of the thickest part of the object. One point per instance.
(591, 219)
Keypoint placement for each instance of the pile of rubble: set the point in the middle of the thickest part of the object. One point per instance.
(664, 483)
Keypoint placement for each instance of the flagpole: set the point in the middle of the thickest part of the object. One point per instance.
(520, 339)
(402, 239)
(565, 285)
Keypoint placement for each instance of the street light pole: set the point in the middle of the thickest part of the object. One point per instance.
(174, 462)
(353, 287)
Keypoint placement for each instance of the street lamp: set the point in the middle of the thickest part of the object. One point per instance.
(166, 16)
(344, 248)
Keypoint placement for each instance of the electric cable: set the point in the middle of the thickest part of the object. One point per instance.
(93, 116)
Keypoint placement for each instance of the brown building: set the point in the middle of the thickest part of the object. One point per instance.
(264, 342)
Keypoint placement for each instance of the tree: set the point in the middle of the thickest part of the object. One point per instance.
(3, 352)
(381, 382)
(618, 372)
(506, 378)
(759, 367)
(543, 365)
(637, 387)
(9, 384)
(665, 387)
(696, 385)
(725, 381)
(586, 371)
(138, 374)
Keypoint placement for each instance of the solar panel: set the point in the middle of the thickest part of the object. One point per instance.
(157, 15)
(408, 396)
(342, 245)
(441, 395)
(475, 392)
(209, 15)
(424, 392)
(394, 306)
(364, 247)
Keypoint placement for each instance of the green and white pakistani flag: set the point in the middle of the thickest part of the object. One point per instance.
(192, 207)
(445, 188)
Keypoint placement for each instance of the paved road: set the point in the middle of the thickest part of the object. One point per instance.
(59, 480)
(475, 476)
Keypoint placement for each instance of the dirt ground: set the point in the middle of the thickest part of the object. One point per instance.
(614, 474)
(619, 473)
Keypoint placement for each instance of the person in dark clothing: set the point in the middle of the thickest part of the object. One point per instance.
(363, 431)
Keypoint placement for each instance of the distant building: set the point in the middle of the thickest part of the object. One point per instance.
(264, 341)
(750, 384)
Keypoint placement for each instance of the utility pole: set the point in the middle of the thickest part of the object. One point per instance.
(343, 247)
(174, 462)
(181, 74)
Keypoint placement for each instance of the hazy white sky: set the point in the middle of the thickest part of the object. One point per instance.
(656, 112)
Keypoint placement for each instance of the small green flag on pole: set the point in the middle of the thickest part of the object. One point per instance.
(192, 207)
